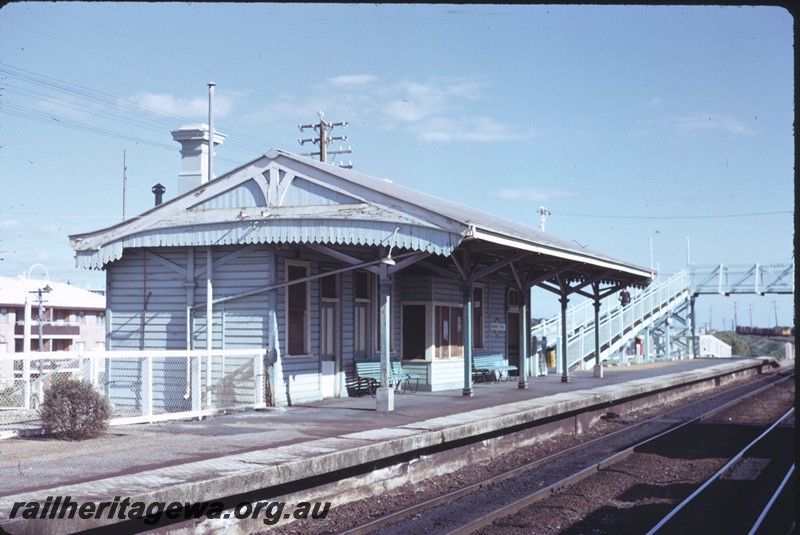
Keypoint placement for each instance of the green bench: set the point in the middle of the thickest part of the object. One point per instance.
(368, 374)
(404, 375)
(486, 366)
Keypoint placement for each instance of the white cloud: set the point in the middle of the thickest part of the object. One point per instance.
(51, 229)
(350, 80)
(434, 110)
(711, 122)
(166, 104)
(407, 111)
(480, 129)
(9, 224)
(533, 194)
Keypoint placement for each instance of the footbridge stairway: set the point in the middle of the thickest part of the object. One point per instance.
(658, 323)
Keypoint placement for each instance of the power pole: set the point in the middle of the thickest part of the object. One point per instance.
(543, 213)
(323, 129)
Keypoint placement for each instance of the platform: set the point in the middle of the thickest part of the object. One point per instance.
(233, 454)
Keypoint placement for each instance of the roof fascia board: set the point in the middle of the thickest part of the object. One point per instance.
(566, 255)
(362, 212)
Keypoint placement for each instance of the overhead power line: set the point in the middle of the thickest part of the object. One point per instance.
(651, 217)
(95, 103)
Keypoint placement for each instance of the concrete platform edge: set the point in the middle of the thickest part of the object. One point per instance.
(217, 478)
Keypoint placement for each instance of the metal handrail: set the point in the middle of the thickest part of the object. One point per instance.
(618, 324)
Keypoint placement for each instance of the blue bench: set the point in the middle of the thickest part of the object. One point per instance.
(487, 367)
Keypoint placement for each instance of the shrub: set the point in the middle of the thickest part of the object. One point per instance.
(74, 410)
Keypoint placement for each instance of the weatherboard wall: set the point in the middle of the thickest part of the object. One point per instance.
(150, 290)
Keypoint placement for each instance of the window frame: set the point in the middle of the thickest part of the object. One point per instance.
(329, 302)
(306, 323)
(438, 308)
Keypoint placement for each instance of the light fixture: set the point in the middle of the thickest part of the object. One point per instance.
(388, 260)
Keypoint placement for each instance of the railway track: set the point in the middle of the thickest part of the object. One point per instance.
(497, 500)
(740, 496)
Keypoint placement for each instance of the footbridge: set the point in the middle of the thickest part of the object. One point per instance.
(658, 323)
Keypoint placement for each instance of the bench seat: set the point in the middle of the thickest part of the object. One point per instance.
(368, 373)
(491, 366)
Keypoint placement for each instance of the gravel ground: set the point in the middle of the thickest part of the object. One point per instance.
(632, 496)
(555, 515)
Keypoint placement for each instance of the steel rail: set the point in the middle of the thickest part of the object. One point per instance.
(571, 480)
(771, 502)
(719, 473)
(398, 515)
(577, 477)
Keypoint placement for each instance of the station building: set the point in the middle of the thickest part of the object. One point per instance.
(325, 267)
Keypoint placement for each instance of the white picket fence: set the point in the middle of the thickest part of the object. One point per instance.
(142, 386)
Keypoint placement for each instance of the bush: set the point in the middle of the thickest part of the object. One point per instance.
(74, 410)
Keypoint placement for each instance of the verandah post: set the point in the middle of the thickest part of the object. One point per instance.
(468, 337)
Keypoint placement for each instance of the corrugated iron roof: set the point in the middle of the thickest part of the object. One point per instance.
(377, 207)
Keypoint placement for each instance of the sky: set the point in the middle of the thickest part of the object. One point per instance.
(650, 133)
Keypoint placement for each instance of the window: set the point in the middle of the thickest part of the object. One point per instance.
(329, 290)
(297, 310)
(368, 314)
(4, 315)
(361, 313)
(449, 331)
(477, 317)
(100, 318)
(361, 284)
(329, 287)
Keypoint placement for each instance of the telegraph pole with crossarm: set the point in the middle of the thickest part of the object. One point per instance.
(323, 129)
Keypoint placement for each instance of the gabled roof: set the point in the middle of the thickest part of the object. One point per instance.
(285, 198)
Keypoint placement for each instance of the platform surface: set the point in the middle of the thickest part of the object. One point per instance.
(147, 460)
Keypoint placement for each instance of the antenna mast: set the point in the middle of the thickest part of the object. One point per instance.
(322, 129)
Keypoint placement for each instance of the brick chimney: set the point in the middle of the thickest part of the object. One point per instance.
(194, 155)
